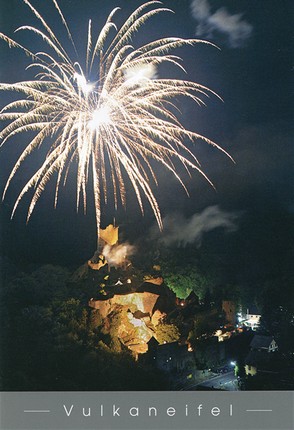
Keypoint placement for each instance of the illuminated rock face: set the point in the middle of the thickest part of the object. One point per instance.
(143, 302)
(132, 315)
(157, 317)
(136, 337)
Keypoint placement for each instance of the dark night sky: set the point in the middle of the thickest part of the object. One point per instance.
(252, 72)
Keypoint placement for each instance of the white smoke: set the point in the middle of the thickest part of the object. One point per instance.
(117, 255)
(181, 231)
(232, 26)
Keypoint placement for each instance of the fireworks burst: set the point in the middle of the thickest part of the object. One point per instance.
(111, 116)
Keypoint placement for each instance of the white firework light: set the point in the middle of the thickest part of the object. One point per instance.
(112, 115)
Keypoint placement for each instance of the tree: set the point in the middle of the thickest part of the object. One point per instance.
(207, 298)
(166, 333)
(206, 353)
(204, 325)
(182, 277)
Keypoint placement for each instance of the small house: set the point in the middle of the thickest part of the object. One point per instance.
(252, 318)
(260, 357)
(263, 343)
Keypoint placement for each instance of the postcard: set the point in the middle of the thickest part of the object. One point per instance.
(147, 215)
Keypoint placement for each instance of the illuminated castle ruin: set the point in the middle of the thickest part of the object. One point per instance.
(108, 239)
(137, 319)
(134, 316)
(108, 236)
(131, 310)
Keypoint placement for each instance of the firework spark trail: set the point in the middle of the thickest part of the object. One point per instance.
(112, 112)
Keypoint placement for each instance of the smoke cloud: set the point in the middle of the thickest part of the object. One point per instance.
(181, 231)
(118, 254)
(235, 29)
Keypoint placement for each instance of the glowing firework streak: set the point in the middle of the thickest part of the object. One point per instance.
(114, 114)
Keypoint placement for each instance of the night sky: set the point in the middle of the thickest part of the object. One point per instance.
(251, 72)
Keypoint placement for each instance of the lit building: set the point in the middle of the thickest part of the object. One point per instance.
(252, 318)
